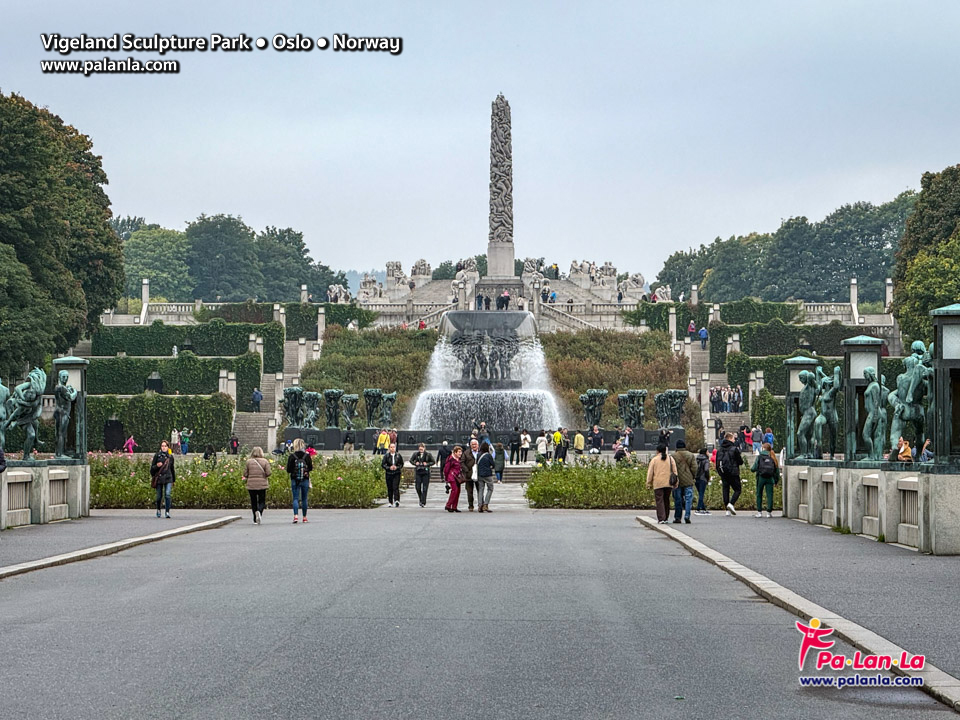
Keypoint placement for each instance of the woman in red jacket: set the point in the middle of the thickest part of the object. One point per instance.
(451, 474)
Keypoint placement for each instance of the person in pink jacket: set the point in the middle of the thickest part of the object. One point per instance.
(451, 474)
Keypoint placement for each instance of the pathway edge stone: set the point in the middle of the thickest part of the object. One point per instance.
(936, 683)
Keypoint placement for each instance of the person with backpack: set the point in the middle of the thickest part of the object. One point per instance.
(442, 454)
(660, 474)
(515, 441)
(729, 461)
(767, 470)
(702, 480)
(485, 470)
(256, 474)
(704, 336)
(299, 466)
(163, 475)
(392, 465)
(422, 460)
(686, 473)
(499, 461)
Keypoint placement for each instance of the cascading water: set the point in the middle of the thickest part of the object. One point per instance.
(490, 367)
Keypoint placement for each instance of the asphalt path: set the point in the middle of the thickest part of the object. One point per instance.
(410, 614)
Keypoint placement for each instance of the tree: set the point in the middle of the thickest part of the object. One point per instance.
(22, 302)
(286, 265)
(733, 274)
(481, 264)
(444, 271)
(517, 267)
(125, 226)
(161, 256)
(223, 259)
(932, 280)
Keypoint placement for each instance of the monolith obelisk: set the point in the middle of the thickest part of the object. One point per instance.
(500, 252)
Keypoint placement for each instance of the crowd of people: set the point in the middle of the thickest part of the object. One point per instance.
(726, 399)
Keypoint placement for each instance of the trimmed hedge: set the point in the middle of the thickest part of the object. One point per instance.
(118, 481)
(777, 338)
(657, 316)
(215, 338)
(150, 417)
(301, 317)
(775, 374)
(185, 375)
(588, 484)
(771, 412)
(339, 314)
(751, 310)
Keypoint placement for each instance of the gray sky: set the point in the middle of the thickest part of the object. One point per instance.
(639, 128)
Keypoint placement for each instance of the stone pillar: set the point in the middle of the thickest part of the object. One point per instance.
(588, 306)
(853, 292)
(259, 351)
(672, 323)
(321, 323)
(232, 386)
(735, 342)
(271, 435)
(692, 388)
(278, 395)
(197, 305)
(315, 355)
(694, 295)
(276, 312)
(760, 383)
(223, 384)
(500, 251)
(251, 343)
(887, 294)
(282, 318)
(301, 353)
(304, 295)
(145, 291)
(752, 387)
(705, 392)
(688, 354)
(409, 310)
(729, 345)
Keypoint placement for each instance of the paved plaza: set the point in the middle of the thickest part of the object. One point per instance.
(417, 613)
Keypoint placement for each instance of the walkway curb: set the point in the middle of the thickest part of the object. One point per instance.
(936, 683)
(111, 548)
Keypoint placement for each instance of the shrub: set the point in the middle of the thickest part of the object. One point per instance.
(117, 481)
(591, 484)
(657, 316)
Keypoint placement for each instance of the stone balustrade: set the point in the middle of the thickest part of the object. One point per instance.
(43, 491)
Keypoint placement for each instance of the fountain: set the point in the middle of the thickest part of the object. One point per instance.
(487, 366)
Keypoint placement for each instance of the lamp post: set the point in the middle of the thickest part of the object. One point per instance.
(795, 385)
(946, 372)
(859, 353)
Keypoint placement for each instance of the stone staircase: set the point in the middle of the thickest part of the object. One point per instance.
(83, 349)
(291, 367)
(251, 429)
(699, 360)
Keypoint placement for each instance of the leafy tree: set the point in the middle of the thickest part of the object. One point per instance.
(444, 271)
(481, 264)
(286, 265)
(932, 281)
(160, 255)
(125, 226)
(733, 273)
(517, 267)
(223, 259)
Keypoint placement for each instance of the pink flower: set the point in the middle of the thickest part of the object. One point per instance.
(339, 478)
(203, 474)
(132, 474)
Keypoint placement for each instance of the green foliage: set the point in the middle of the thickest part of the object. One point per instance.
(777, 338)
(161, 256)
(125, 226)
(339, 314)
(801, 260)
(117, 481)
(59, 258)
(446, 270)
(150, 417)
(932, 280)
(657, 316)
(185, 375)
(215, 338)
(389, 358)
(591, 484)
(771, 412)
(286, 265)
(223, 259)
(751, 310)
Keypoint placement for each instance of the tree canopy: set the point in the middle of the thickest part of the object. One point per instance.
(161, 256)
(60, 262)
(802, 260)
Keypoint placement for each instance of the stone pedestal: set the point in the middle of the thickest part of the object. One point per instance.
(500, 260)
(43, 491)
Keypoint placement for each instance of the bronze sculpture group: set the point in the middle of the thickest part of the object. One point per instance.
(23, 406)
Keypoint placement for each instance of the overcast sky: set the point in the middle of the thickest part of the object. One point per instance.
(639, 128)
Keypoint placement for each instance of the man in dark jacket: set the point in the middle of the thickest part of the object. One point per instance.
(687, 472)
(421, 461)
(442, 454)
(467, 461)
(392, 465)
(595, 440)
(515, 445)
(729, 461)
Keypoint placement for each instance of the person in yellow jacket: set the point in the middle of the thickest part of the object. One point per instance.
(578, 443)
(383, 442)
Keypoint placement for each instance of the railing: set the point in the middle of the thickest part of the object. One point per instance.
(872, 508)
(565, 317)
(18, 496)
(172, 308)
(437, 314)
(58, 492)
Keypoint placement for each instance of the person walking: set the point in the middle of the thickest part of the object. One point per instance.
(692, 331)
(525, 440)
(299, 466)
(348, 439)
(704, 336)
(255, 399)
(767, 470)
(256, 473)
(485, 470)
(234, 444)
(687, 473)
(595, 439)
(702, 480)
(442, 454)
(468, 464)
(383, 442)
(422, 461)
(659, 472)
(452, 471)
(499, 461)
(768, 436)
(129, 445)
(756, 438)
(515, 442)
(392, 465)
(542, 445)
(163, 475)
(175, 441)
(549, 453)
(185, 436)
(729, 461)
(578, 443)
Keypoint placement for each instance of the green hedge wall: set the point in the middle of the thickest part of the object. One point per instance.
(150, 418)
(657, 316)
(338, 314)
(777, 338)
(185, 375)
(771, 412)
(301, 317)
(751, 310)
(215, 338)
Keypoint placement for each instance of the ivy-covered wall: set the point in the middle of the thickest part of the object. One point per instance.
(150, 417)
(215, 338)
(301, 317)
(777, 338)
(740, 312)
(185, 375)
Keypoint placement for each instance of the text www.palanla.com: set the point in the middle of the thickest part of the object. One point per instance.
(859, 681)
(108, 65)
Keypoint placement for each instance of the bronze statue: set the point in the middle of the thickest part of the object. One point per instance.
(26, 404)
(64, 396)
(4, 411)
(829, 388)
(875, 424)
(808, 413)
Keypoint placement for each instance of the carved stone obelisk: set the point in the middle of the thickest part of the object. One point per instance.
(500, 252)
